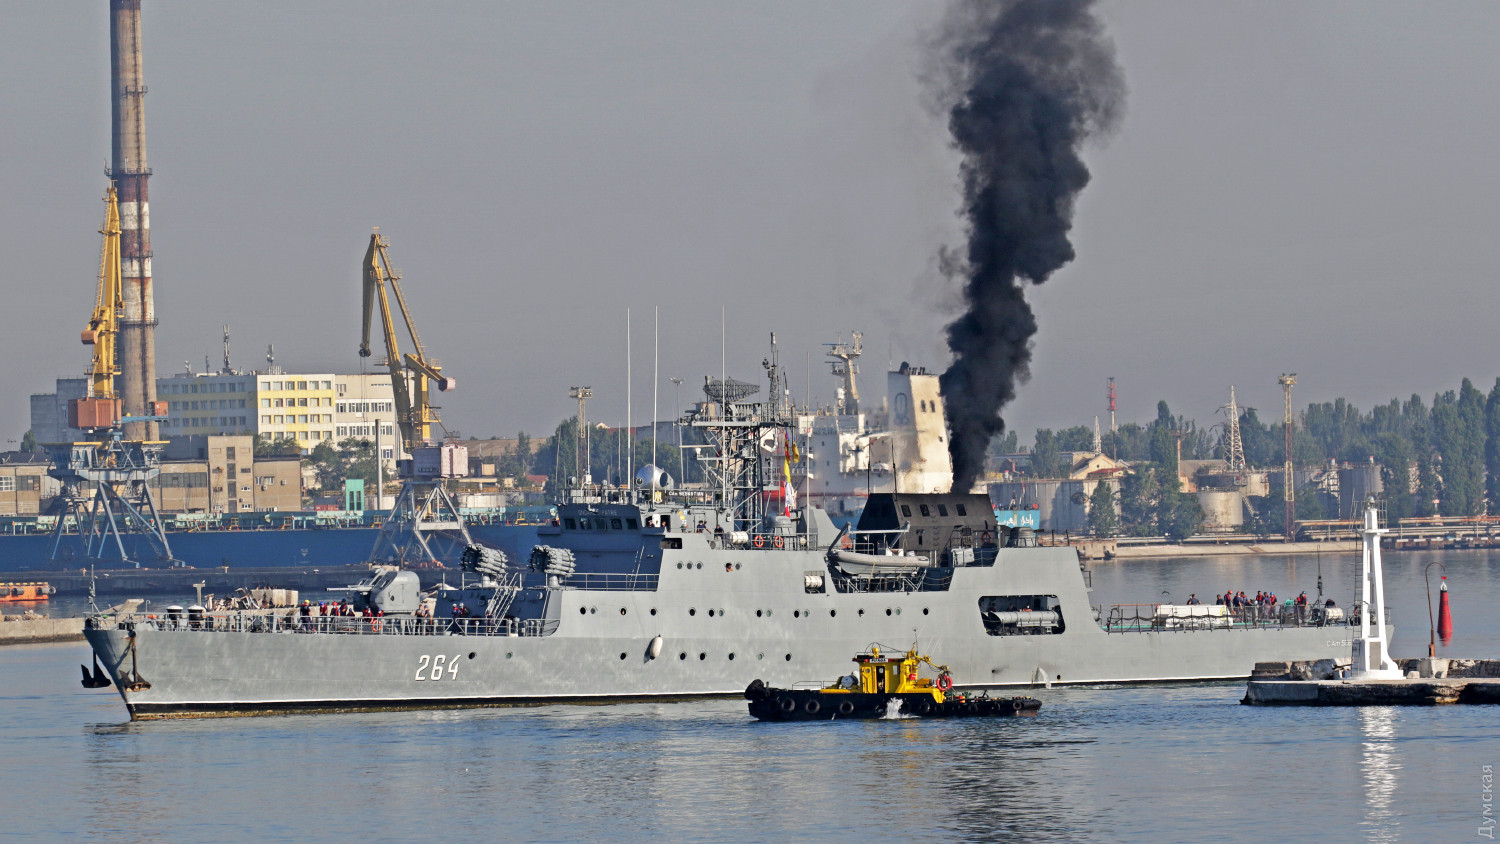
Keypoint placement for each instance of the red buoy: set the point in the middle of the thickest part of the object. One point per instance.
(1445, 616)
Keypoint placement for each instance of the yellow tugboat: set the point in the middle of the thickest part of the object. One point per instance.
(880, 682)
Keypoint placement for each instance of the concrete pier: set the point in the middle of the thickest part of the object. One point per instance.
(1428, 682)
(16, 630)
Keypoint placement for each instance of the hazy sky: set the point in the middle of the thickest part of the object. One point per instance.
(1306, 187)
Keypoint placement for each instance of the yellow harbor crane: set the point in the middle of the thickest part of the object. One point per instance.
(117, 468)
(424, 511)
(100, 408)
(414, 411)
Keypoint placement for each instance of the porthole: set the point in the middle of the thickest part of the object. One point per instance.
(861, 612)
(796, 614)
(700, 565)
(472, 654)
(737, 566)
(653, 610)
(924, 611)
(731, 656)
(721, 611)
(729, 567)
(1059, 676)
(622, 657)
(593, 610)
(898, 610)
(583, 610)
(788, 657)
(887, 610)
(679, 565)
(760, 656)
(710, 613)
(692, 611)
(622, 610)
(768, 613)
(759, 613)
(682, 655)
(832, 613)
(702, 656)
(508, 655)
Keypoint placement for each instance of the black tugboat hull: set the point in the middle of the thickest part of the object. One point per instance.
(770, 704)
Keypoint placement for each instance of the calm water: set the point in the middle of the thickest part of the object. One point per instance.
(1167, 763)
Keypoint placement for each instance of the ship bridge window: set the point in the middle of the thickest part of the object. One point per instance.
(614, 523)
(906, 510)
(585, 524)
(925, 511)
(1021, 615)
(942, 509)
(600, 525)
(961, 510)
(570, 524)
(630, 524)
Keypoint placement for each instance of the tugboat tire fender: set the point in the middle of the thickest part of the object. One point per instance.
(787, 704)
(846, 708)
(812, 707)
(1016, 705)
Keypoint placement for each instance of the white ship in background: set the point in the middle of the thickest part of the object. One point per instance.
(855, 449)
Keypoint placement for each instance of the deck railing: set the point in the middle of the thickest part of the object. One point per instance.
(252, 622)
(1146, 618)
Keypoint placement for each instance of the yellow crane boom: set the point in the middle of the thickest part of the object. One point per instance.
(410, 373)
(101, 407)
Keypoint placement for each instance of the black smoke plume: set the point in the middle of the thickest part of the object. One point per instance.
(1030, 81)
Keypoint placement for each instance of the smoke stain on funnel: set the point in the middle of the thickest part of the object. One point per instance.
(1029, 81)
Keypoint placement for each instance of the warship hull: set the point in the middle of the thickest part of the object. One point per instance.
(707, 623)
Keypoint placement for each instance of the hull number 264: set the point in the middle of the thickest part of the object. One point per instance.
(433, 667)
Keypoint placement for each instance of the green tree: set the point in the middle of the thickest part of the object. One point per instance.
(1045, 462)
(1492, 448)
(28, 440)
(1103, 520)
(267, 447)
(1310, 505)
(1138, 497)
(1181, 516)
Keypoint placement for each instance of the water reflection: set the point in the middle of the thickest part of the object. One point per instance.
(1379, 769)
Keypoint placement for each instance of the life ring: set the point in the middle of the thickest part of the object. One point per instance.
(846, 708)
(776, 541)
(375, 625)
(760, 541)
(787, 704)
(944, 683)
(812, 707)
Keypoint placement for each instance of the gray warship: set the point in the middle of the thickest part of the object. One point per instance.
(661, 592)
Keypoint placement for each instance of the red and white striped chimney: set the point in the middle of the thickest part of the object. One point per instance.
(130, 171)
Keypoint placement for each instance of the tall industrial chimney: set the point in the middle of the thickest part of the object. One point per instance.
(129, 169)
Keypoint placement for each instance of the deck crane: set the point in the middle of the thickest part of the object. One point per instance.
(424, 525)
(118, 469)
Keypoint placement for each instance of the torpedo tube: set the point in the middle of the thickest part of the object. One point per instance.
(1445, 615)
